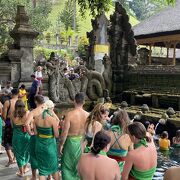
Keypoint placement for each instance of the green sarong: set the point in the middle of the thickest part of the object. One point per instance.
(20, 144)
(143, 175)
(46, 151)
(33, 159)
(70, 158)
(0, 130)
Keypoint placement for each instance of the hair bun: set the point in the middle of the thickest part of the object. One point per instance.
(95, 151)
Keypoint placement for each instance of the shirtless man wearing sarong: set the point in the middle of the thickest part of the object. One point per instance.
(8, 109)
(72, 133)
(39, 100)
(35, 113)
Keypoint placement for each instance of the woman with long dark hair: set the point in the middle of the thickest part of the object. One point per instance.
(142, 161)
(20, 139)
(96, 164)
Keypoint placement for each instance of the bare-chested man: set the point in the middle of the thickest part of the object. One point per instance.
(35, 113)
(8, 109)
(72, 132)
(39, 100)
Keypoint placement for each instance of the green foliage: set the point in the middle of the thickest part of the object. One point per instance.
(48, 37)
(95, 6)
(46, 52)
(144, 8)
(66, 34)
(67, 54)
(68, 16)
(83, 43)
(99, 6)
(37, 16)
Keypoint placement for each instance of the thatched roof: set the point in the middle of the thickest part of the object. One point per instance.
(166, 22)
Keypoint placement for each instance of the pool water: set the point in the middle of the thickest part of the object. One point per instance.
(166, 159)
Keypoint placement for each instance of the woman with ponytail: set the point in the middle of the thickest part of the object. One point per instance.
(20, 139)
(142, 161)
(96, 164)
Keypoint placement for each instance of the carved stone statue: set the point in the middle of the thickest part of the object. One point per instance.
(143, 56)
(92, 83)
(61, 89)
(122, 44)
(107, 74)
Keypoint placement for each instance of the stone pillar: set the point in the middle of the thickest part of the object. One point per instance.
(23, 36)
(155, 101)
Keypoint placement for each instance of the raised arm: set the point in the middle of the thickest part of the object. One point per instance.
(55, 128)
(65, 130)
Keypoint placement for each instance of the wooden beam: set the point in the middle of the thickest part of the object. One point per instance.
(174, 54)
(152, 40)
(150, 52)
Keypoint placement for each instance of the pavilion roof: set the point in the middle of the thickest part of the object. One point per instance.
(164, 23)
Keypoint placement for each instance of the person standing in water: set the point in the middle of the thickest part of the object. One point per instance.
(96, 165)
(21, 139)
(72, 133)
(8, 109)
(164, 142)
(120, 140)
(142, 161)
(46, 129)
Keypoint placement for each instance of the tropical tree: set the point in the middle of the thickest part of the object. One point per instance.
(68, 16)
(99, 6)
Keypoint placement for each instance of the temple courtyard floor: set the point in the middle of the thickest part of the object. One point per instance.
(9, 173)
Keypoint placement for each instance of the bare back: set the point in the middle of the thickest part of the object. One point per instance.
(19, 121)
(91, 167)
(9, 107)
(77, 119)
(48, 121)
(120, 140)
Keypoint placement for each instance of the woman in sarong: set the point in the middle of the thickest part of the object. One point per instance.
(46, 129)
(120, 141)
(21, 138)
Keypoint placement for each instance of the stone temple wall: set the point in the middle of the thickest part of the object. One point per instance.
(158, 88)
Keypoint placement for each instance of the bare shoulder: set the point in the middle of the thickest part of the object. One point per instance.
(6, 104)
(98, 124)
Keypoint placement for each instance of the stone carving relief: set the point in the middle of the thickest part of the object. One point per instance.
(61, 89)
(107, 74)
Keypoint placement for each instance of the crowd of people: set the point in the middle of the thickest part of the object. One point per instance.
(91, 145)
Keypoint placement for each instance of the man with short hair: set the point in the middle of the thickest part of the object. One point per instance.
(72, 132)
(33, 91)
(8, 109)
